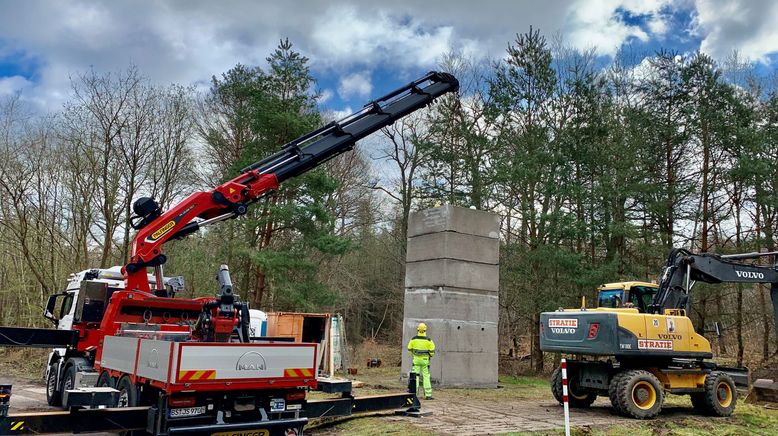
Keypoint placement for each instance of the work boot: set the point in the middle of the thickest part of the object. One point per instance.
(428, 398)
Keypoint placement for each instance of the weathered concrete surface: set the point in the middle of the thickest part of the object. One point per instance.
(468, 369)
(453, 273)
(451, 284)
(452, 245)
(454, 219)
(466, 351)
(451, 303)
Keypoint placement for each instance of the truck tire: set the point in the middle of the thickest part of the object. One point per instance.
(53, 393)
(613, 391)
(128, 393)
(69, 378)
(720, 396)
(639, 394)
(576, 398)
(105, 380)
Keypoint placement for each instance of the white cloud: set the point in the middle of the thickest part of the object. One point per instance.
(13, 84)
(188, 41)
(598, 24)
(346, 35)
(355, 85)
(337, 114)
(750, 27)
(325, 96)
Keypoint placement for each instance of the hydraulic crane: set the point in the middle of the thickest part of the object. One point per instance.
(190, 361)
(231, 199)
(657, 350)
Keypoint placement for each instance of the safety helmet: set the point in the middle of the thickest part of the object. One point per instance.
(422, 328)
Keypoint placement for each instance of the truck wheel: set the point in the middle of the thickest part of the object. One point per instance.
(639, 394)
(720, 396)
(53, 394)
(69, 379)
(128, 393)
(577, 397)
(613, 391)
(105, 380)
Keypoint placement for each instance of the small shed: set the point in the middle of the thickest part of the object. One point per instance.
(304, 327)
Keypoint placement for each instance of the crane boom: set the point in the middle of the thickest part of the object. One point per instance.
(683, 268)
(231, 199)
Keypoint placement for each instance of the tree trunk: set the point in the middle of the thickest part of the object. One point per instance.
(537, 354)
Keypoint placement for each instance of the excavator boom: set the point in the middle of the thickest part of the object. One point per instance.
(684, 268)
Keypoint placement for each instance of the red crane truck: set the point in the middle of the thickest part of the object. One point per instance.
(188, 366)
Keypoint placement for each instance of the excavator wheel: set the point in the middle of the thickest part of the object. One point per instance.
(720, 396)
(639, 394)
(577, 397)
(613, 391)
(556, 385)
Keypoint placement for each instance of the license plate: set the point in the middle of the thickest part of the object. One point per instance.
(257, 432)
(187, 411)
(277, 404)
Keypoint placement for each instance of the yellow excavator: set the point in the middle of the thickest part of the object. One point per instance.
(639, 344)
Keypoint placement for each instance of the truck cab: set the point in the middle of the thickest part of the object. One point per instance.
(82, 304)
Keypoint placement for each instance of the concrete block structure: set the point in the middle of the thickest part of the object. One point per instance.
(451, 284)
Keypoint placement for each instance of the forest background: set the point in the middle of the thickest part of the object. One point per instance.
(596, 170)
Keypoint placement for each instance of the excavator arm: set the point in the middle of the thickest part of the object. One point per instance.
(684, 268)
(231, 199)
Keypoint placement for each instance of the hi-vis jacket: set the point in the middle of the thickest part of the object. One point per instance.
(421, 346)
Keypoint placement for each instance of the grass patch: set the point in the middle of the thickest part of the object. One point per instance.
(23, 363)
(747, 420)
(523, 381)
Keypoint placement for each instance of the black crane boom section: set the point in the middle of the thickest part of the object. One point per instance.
(321, 145)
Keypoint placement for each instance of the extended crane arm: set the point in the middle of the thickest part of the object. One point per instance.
(232, 198)
(684, 268)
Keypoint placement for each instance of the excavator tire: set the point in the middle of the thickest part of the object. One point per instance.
(639, 394)
(613, 391)
(720, 396)
(556, 385)
(577, 398)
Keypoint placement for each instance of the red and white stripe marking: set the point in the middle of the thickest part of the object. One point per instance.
(564, 397)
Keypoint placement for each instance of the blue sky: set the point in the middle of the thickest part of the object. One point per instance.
(358, 49)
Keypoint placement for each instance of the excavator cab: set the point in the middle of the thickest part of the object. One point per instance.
(638, 295)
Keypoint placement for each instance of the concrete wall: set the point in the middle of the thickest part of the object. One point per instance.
(451, 284)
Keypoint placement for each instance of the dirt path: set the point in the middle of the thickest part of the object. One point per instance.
(451, 414)
(26, 395)
(476, 417)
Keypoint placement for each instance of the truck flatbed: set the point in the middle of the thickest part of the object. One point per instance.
(180, 366)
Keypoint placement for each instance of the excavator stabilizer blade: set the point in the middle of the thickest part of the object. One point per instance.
(763, 391)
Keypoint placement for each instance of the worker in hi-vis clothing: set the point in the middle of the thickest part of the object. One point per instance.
(422, 349)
